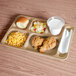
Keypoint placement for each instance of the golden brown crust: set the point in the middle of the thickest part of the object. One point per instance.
(37, 41)
(43, 44)
(49, 43)
(22, 19)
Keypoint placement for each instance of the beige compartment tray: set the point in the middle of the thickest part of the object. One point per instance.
(28, 46)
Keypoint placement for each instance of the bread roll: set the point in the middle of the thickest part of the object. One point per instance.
(22, 22)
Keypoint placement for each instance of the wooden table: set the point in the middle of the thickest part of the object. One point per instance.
(15, 62)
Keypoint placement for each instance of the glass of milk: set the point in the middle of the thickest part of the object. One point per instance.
(55, 24)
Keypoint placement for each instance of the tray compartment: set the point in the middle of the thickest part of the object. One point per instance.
(15, 26)
(14, 30)
(48, 52)
(39, 20)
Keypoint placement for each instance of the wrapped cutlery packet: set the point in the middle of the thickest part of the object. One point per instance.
(49, 37)
(65, 41)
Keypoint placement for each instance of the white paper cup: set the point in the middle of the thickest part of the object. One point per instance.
(55, 24)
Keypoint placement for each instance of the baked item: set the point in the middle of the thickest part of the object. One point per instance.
(22, 22)
(37, 41)
(49, 43)
(16, 39)
(39, 27)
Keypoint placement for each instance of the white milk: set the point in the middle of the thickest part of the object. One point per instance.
(55, 25)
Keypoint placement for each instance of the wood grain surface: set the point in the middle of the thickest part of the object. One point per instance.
(15, 62)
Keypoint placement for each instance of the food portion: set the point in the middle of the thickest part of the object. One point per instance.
(43, 44)
(16, 39)
(37, 41)
(48, 44)
(22, 22)
(39, 27)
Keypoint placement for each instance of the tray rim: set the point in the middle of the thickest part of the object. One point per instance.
(38, 52)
